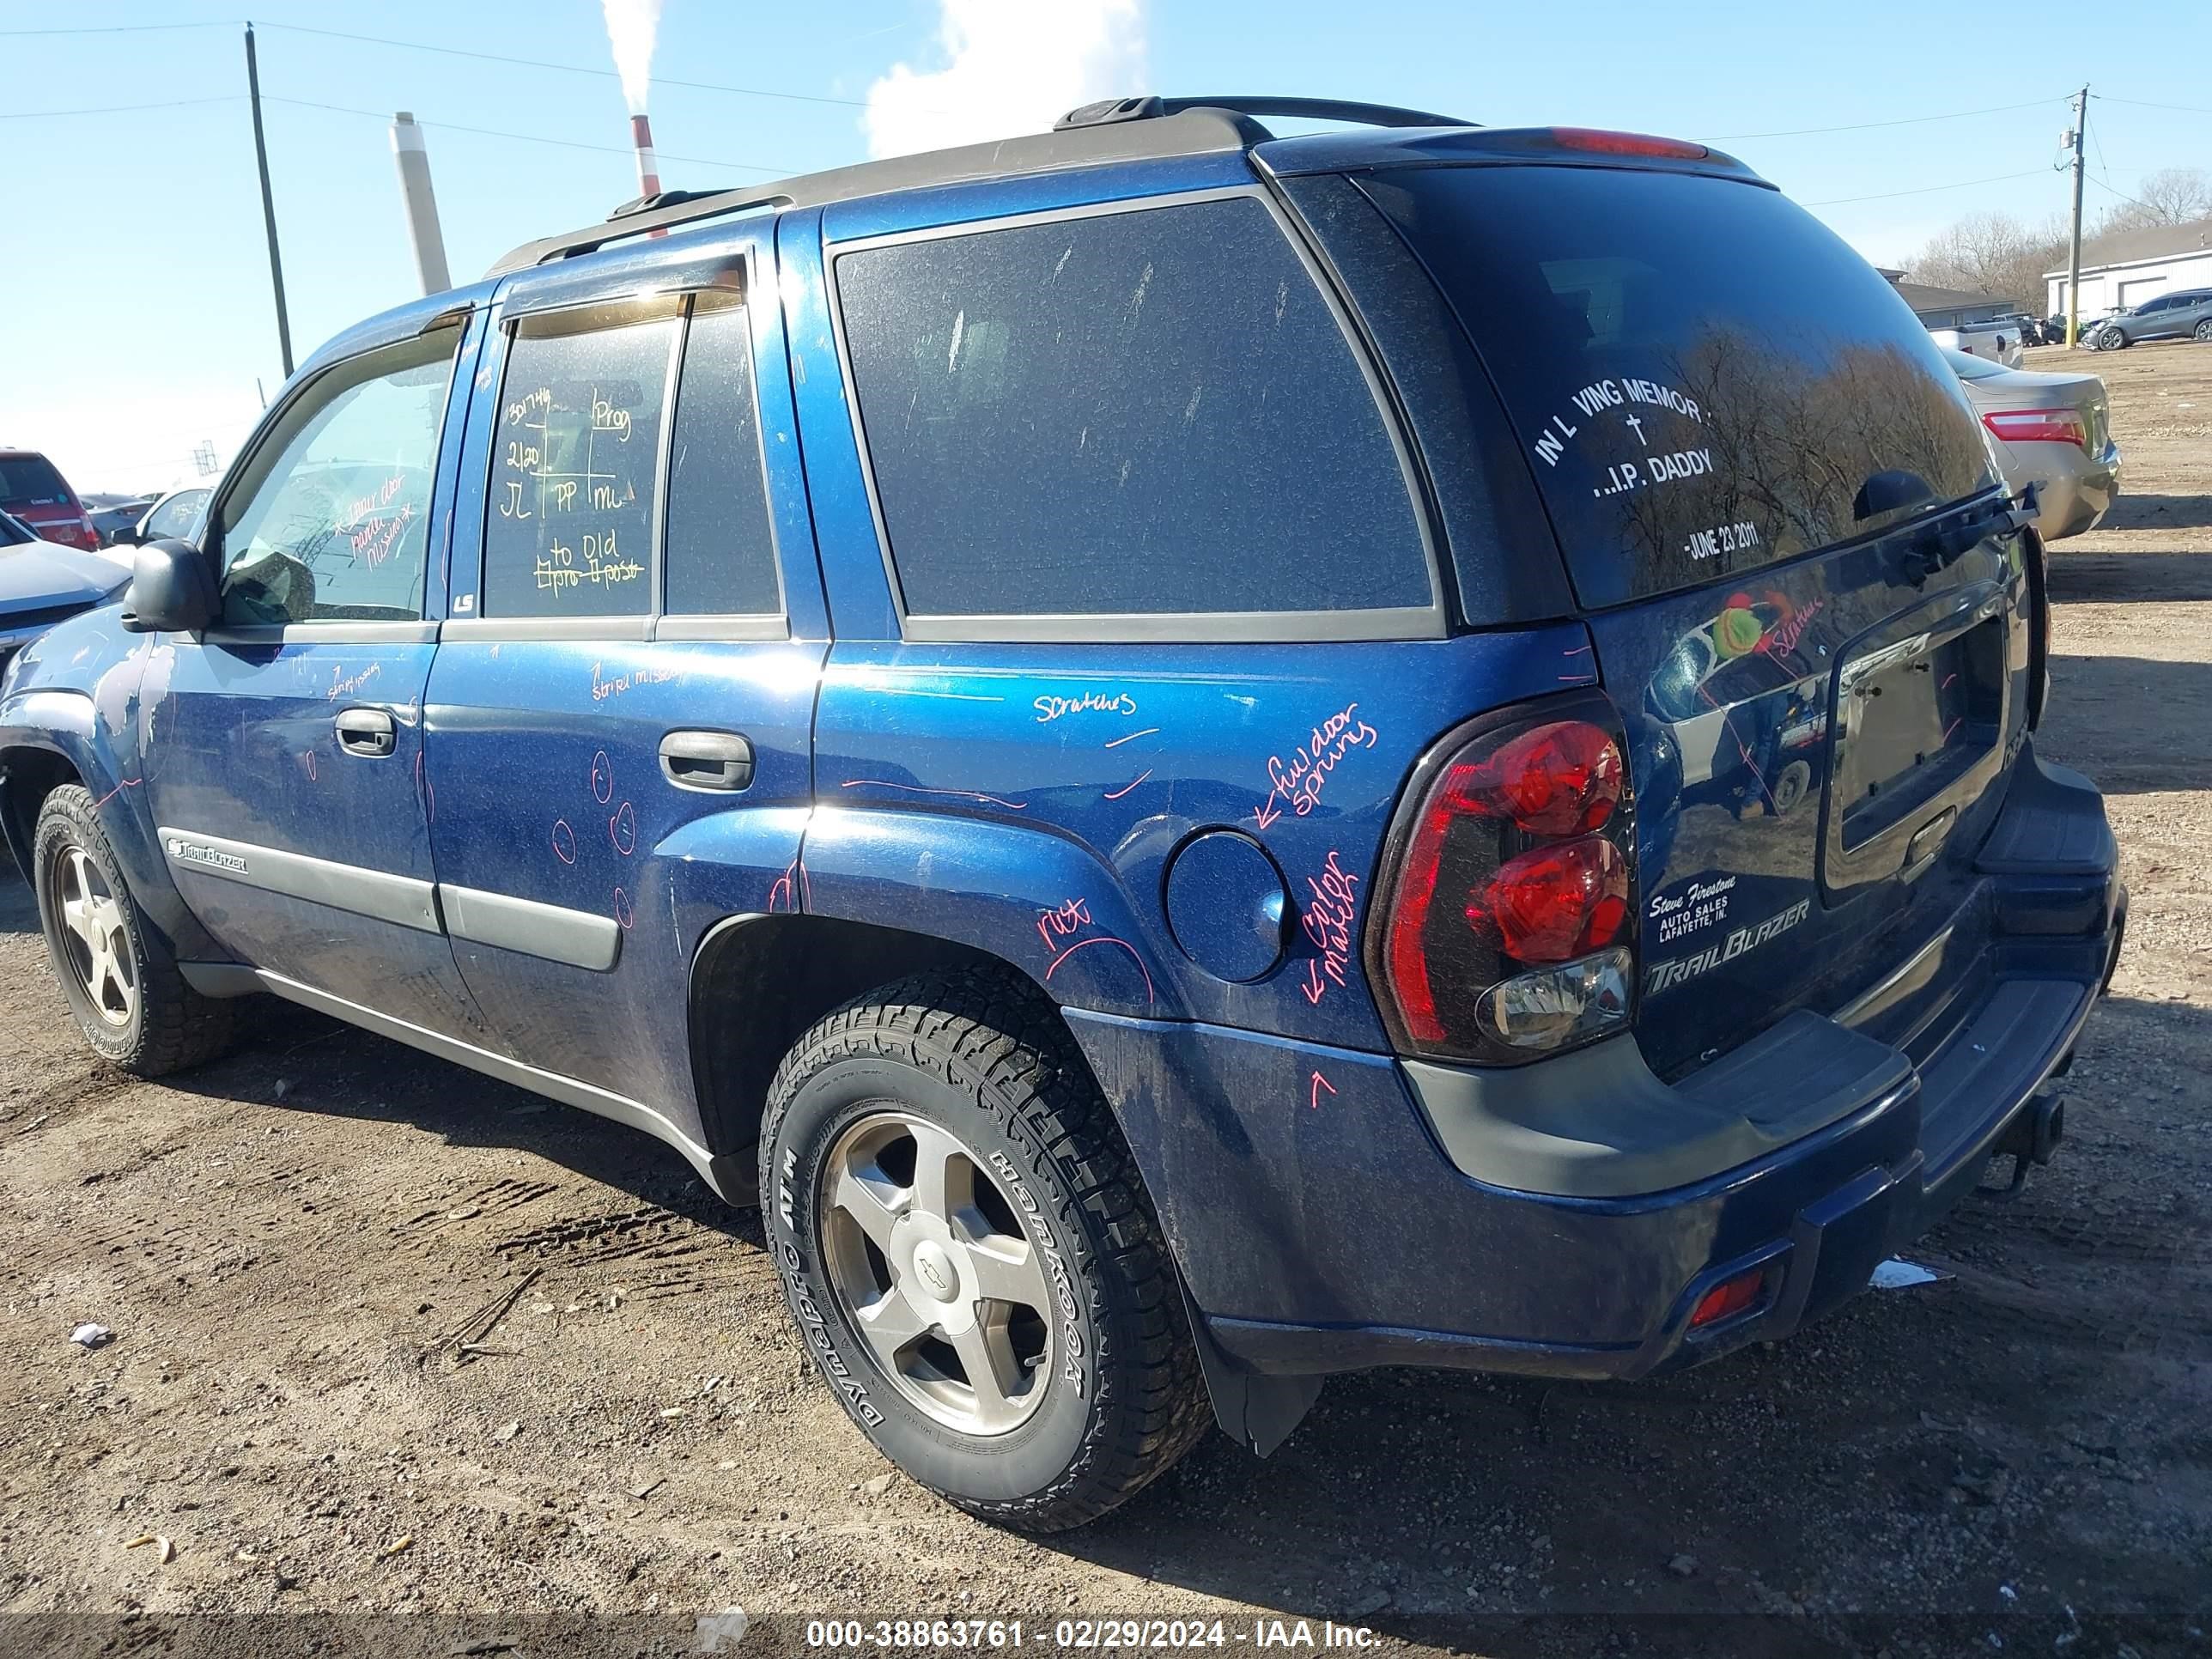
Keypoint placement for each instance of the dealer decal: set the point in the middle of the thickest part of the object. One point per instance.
(1665, 975)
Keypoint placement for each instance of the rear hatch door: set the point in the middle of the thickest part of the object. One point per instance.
(1780, 518)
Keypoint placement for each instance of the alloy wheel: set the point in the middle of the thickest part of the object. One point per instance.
(937, 1271)
(94, 942)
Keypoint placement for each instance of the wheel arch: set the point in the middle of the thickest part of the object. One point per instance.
(757, 982)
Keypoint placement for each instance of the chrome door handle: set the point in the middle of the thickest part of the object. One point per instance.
(367, 732)
(721, 760)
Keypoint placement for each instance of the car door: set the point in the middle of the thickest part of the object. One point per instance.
(283, 746)
(619, 720)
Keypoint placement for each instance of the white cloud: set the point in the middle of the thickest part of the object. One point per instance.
(1011, 66)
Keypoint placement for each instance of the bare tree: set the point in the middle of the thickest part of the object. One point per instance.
(2172, 195)
(1992, 253)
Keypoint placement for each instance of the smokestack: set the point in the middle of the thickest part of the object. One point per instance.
(421, 202)
(648, 168)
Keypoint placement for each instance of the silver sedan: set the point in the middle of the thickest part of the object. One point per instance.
(2052, 431)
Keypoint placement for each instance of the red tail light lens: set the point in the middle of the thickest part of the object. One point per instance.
(2038, 425)
(1554, 904)
(1516, 855)
(1559, 779)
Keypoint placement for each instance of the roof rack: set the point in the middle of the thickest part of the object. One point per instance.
(1116, 110)
(1196, 131)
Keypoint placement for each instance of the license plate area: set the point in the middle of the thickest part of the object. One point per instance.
(1920, 727)
(1918, 724)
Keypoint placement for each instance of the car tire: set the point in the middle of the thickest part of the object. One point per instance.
(2110, 339)
(117, 973)
(1038, 1417)
(2204, 331)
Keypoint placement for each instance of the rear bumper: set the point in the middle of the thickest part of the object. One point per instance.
(2075, 490)
(1329, 1214)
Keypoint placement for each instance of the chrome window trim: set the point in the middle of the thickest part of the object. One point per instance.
(689, 627)
(337, 631)
(545, 628)
(1407, 623)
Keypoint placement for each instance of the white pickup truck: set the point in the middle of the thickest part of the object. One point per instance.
(1996, 342)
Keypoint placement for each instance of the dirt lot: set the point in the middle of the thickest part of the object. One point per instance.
(286, 1245)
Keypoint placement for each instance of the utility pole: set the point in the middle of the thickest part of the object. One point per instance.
(269, 205)
(2074, 259)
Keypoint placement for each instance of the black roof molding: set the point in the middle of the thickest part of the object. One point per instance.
(1196, 131)
(1114, 110)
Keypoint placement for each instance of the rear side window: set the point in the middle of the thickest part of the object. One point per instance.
(1140, 413)
(568, 529)
(1704, 378)
(721, 552)
(30, 481)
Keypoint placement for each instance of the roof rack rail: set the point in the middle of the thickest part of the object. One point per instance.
(1116, 110)
(1118, 129)
(1198, 131)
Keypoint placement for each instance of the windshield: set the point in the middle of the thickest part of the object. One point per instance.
(1705, 379)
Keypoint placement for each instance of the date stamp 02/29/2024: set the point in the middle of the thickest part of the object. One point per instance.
(725, 1634)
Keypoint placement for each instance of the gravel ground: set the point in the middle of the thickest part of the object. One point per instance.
(291, 1245)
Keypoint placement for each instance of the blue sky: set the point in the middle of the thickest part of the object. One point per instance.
(134, 313)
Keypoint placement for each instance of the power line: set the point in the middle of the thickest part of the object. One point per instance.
(115, 109)
(1865, 127)
(526, 137)
(122, 29)
(1926, 190)
(2122, 194)
(2144, 103)
(566, 69)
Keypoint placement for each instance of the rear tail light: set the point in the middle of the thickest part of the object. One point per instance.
(1507, 927)
(2038, 425)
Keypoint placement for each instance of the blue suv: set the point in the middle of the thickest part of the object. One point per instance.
(1199, 758)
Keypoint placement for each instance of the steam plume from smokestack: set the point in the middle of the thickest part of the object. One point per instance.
(631, 27)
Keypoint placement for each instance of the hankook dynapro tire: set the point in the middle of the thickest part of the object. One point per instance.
(117, 975)
(973, 1262)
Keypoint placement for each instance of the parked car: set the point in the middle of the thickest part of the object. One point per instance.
(174, 515)
(1996, 342)
(32, 490)
(2030, 331)
(2186, 314)
(111, 520)
(2053, 431)
(1096, 723)
(43, 582)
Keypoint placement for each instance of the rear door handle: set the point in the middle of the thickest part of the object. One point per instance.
(721, 760)
(367, 732)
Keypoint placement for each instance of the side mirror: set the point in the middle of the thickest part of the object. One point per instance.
(127, 536)
(171, 590)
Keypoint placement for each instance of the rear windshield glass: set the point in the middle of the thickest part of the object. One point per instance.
(30, 481)
(1704, 378)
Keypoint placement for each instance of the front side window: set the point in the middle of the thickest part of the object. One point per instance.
(330, 520)
(1139, 413)
(575, 484)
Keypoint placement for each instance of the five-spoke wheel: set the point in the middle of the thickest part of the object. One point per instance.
(97, 950)
(932, 1262)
